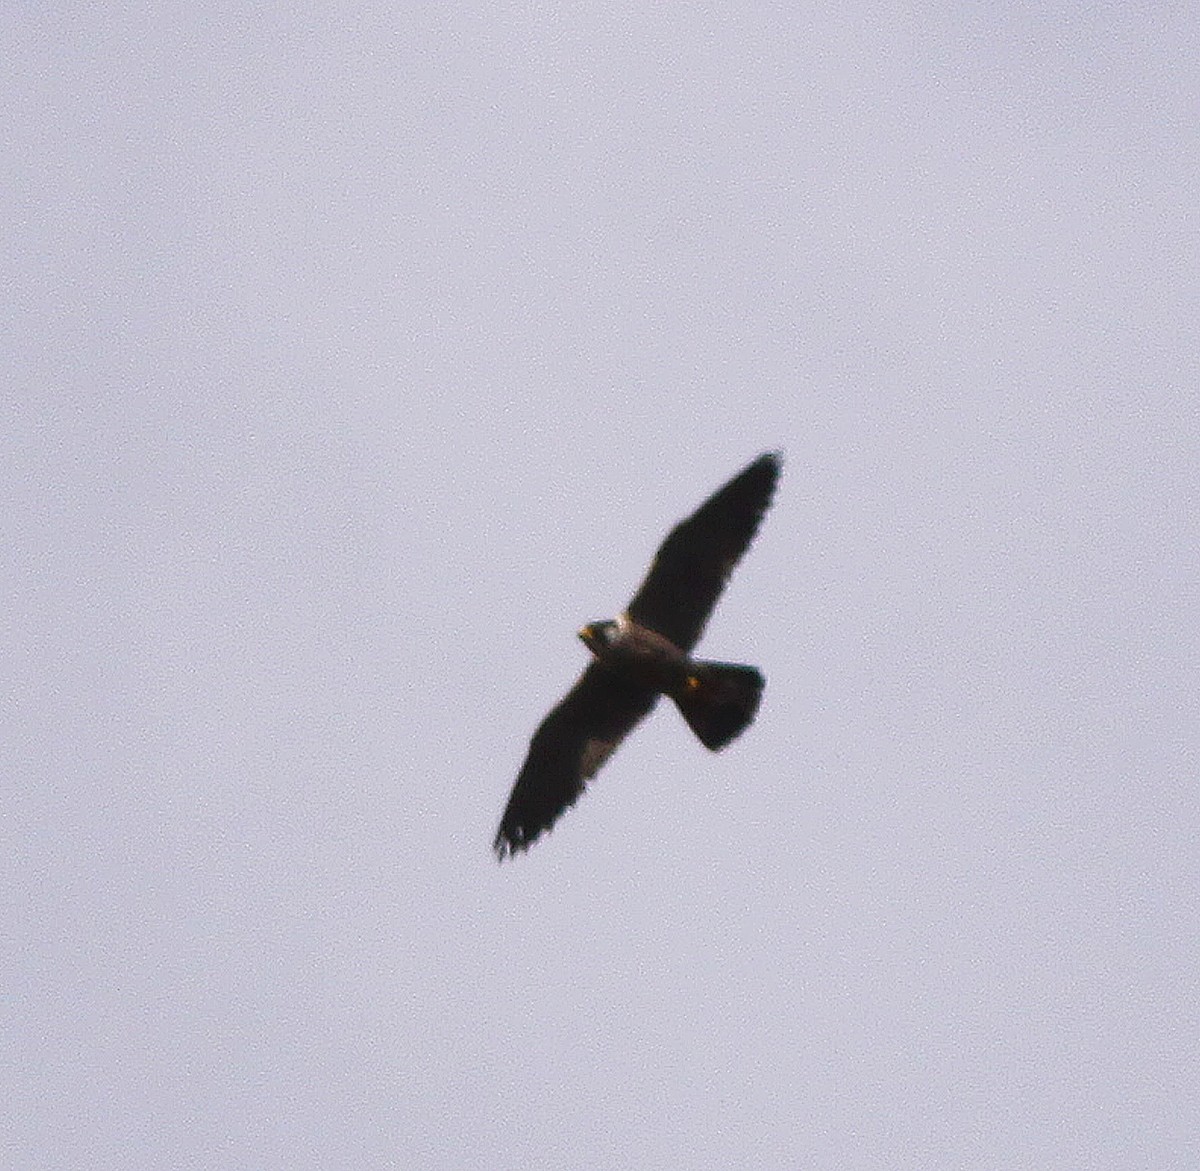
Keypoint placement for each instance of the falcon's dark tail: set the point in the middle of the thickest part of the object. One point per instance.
(719, 700)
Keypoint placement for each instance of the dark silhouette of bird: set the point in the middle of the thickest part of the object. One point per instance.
(645, 653)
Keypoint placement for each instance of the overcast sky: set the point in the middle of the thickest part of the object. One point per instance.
(352, 359)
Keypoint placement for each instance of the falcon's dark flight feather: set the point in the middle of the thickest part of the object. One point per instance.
(570, 745)
(693, 564)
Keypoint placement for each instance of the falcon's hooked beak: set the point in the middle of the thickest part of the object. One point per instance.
(591, 638)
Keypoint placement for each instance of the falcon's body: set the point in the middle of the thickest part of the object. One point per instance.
(645, 653)
(636, 652)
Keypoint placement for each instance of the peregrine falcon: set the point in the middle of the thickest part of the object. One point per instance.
(645, 653)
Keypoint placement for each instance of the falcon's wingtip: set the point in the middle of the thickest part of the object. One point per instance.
(505, 846)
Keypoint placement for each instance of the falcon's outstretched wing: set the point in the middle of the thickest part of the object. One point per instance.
(694, 562)
(571, 743)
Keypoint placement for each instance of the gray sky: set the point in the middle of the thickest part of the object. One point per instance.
(351, 360)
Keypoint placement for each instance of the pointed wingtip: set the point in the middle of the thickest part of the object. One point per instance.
(770, 462)
(506, 846)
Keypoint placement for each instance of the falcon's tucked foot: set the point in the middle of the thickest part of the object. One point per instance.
(719, 700)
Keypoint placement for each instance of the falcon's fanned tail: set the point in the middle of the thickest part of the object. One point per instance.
(719, 701)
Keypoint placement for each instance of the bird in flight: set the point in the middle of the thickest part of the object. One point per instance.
(644, 653)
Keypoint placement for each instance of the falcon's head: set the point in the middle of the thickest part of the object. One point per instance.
(599, 636)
